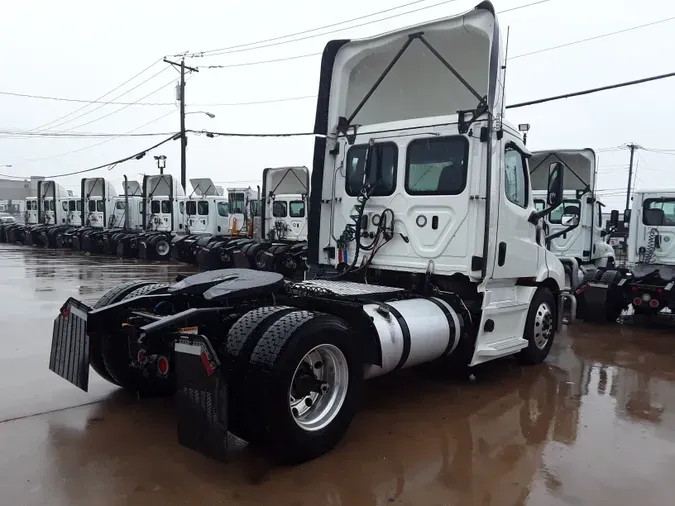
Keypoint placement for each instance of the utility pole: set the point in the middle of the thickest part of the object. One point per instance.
(183, 135)
(633, 147)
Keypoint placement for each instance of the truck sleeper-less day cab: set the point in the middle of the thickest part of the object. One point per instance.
(206, 215)
(52, 214)
(575, 227)
(282, 244)
(217, 249)
(95, 208)
(163, 210)
(648, 284)
(433, 208)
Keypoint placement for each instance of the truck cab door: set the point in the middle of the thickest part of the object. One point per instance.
(517, 252)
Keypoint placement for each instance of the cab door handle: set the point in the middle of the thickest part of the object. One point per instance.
(501, 256)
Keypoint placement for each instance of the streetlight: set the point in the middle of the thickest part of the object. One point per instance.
(6, 165)
(161, 163)
(209, 114)
(524, 127)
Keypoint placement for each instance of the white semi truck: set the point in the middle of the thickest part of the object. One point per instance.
(423, 247)
(647, 284)
(575, 228)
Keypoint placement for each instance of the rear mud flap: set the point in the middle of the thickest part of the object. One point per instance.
(69, 356)
(201, 397)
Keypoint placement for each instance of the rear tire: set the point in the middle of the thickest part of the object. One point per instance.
(235, 353)
(113, 295)
(540, 327)
(280, 419)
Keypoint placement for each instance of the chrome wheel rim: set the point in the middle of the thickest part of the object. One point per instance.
(543, 325)
(319, 387)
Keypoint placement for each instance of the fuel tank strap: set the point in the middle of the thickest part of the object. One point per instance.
(405, 332)
(452, 338)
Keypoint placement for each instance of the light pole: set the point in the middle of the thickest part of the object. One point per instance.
(161, 163)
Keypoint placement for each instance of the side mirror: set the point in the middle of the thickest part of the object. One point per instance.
(614, 218)
(556, 184)
(554, 196)
(626, 216)
(570, 220)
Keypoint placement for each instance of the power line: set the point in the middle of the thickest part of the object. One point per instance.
(303, 32)
(90, 102)
(136, 156)
(76, 135)
(538, 51)
(99, 98)
(120, 109)
(256, 102)
(596, 37)
(591, 90)
(235, 49)
(96, 144)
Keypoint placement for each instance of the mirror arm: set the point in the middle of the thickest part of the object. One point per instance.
(537, 215)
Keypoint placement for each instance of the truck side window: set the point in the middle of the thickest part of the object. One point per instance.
(191, 207)
(154, 207)
(100, 205)
(659, 212)
(599, 215)
(279, 209)
(515, 178)
(72, 204)
(92, 206)
(436, 166)
(566, 208)
(64, 205)
(297, 209)
(382, 174)
(539, 204)
(222, 209)
(181, 207)
(119, 205)
(166, 207)
(202, 207)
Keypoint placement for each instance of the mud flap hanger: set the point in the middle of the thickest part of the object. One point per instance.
(463, 126)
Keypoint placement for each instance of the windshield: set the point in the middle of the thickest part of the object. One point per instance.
(659, 212)
(236, 201)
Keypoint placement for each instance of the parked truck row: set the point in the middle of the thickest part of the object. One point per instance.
(155, 220)
(433, 235)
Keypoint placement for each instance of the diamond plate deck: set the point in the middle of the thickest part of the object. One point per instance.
(345, 288)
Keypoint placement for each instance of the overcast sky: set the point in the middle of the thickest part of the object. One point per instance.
(83, 49)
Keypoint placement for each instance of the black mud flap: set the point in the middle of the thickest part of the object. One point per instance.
(201, 397)
(70, 344)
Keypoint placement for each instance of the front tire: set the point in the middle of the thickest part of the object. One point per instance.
(304, 384)
(540, 327)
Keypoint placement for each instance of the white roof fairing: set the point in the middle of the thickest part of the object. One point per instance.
(419, 85)
(580, 166)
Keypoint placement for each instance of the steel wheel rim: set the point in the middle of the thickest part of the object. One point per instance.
(162, 248)
(543, 325)
(329, 366)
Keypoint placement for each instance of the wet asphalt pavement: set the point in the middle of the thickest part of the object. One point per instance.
(594, 425)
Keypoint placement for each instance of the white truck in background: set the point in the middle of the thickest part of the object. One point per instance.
(647, 284)
(575, 230)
